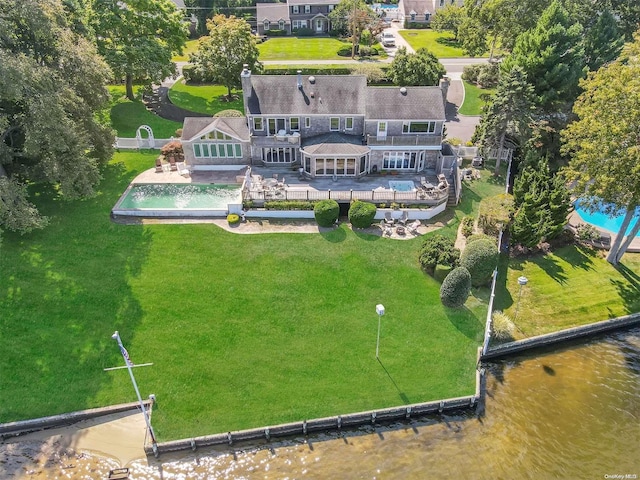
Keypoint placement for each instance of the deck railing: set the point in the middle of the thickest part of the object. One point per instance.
(379, 196)
(405, 140)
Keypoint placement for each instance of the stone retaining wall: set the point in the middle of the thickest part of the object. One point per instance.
(540, 341)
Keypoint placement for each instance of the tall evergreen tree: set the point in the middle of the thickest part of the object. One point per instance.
(552, 57)
(508, 114)
(603, 41)
(542, 203)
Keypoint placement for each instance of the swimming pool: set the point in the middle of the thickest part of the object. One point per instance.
(401, 185)
(175, 199)
(601, 220)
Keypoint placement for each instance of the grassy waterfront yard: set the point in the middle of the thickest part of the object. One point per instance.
(243, 330)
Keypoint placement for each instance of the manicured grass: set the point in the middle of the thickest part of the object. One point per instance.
(204, 98)
(190, 47)
(127, 116)
(301, 48)
(243, 330)
(572, 286)
(441, 44)
(473, 102)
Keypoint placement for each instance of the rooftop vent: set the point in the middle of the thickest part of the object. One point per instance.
(312, 94)
(312, 80)
(403, 90)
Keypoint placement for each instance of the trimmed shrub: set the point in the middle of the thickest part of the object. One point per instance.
(229, 113)
(233, 219)
(374, 73)
(275, 33)
(481, 236)
(441, 272)
(367, 51)
(437, 250)
(326, 212)
(288, 205)
(193, 75)
(467, 226)
(480, 258)
(455, 288)
(494, 213)
(470, 73)
(307, 70)
(502, 327)
(304, 32)
(361, 214)
(488, 75)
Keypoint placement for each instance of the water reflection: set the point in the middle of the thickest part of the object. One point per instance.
(568, 414)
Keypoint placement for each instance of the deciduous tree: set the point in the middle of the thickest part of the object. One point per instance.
(352, 17)
(448, 18)
(228, 47)
(411, 69)
(603, 144)
(52, 91)
(137, 38)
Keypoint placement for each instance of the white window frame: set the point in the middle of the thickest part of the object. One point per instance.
(255, 123)
(297, 122)
(216, 150)
(307, 122)
(331, 121)
(331, 7)
(413, 17)
(266, 25)
(347, 121)
(442, 3)
(296, 9)
(427, 16)
(307, 9)
(281, 24)
(431, 128)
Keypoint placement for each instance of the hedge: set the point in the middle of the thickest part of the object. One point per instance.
(480, 258)
(326, 212)
(455, 288)
(288, 205)
(361, 214)
(437, 250)
(192, 75)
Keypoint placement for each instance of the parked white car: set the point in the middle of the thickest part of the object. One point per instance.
(387, 39)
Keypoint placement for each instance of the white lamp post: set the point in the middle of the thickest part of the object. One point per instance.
(380, 312)
(522, 281)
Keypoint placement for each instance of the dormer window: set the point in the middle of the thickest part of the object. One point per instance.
(266, 25)
(281, 24)
(307, 9)
(331, 7)
(413, 17)
(296, 9)
(426, 17)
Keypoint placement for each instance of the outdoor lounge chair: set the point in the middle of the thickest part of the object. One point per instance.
(183, 169)
(388, 219)
(405, 216)
(385, 228)
(159, 166)
(413, 226)
(174, 167)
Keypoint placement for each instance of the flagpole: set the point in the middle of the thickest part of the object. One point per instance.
(154, 444)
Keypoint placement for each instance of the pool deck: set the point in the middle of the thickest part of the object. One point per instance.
(575, 219)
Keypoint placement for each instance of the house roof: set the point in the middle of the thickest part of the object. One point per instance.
(273, 12)
(417, 6)
(312, 2)
(328, 95)
(417, 103)
(196, 127)
(335, 143)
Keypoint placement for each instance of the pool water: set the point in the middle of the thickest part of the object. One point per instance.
(181, 196)
(401, 186)
(601, 220)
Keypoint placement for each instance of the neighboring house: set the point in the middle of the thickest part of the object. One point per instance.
(421, 11)
(328, 125)
(272, 16)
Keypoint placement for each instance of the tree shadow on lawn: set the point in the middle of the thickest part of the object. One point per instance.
(334, 234)
(628, 290)
(465, 322)
(74, 277)
(448, 41)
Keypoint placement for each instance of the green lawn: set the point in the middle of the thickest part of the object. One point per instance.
(572, 286)
(301, 48)
(441, 44)
(243, 330)
(190, 47)
(473, 104)
(126, 116)
(204, 98)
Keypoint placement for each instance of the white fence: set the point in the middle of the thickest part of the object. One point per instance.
(141, 143)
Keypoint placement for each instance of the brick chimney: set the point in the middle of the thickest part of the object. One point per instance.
(444, 86)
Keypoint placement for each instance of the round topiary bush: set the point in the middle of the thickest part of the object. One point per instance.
(437, 250)
(233, 219)
(441, 272)
(326, 212)
(455, 288)
(480, 258)
(361, 214)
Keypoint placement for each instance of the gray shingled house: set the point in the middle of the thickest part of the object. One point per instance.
(328, 125)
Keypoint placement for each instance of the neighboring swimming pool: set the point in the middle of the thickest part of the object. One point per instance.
(176, 199)
(601, 220)
(384, 6)
(401, 186)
